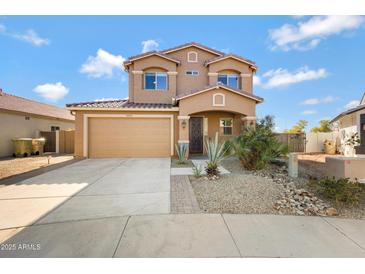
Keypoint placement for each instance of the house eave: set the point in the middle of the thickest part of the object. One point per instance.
(173, 109)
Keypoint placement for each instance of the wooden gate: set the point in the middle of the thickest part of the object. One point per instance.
(50, 144)
(67, 141)
(295, 141)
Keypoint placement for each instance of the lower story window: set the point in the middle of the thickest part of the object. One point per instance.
(226, 126)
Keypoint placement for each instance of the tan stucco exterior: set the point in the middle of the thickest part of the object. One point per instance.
(180, 83)
(80, 138)
(188, 96)
(17, 126)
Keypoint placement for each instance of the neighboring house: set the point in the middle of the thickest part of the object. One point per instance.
(180, 95)
(350, 122)
(23, 118)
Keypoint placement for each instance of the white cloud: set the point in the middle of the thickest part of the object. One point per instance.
(282, 77)
(352, 104)
(103, 64)
(256, 80)
(308, 34)
(52, 92)
(311, 101)
(309, 112)
(149, 45)
(32, 37)
(105, 99)
(316, 101)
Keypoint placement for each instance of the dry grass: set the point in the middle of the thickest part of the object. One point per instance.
(13, 166)
(175, 163)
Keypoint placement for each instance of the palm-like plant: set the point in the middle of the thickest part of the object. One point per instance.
(216, 153)
(181, 149)
(257, 146)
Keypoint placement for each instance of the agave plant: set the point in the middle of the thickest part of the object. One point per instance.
(181, 149)
(216, 153)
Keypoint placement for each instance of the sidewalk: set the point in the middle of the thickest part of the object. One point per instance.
(193, 235)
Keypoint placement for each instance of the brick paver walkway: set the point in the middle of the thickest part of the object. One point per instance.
(182, 196)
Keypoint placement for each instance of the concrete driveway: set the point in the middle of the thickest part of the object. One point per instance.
(92, 188)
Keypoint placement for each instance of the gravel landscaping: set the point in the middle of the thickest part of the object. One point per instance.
(13, 166)
(175, 163)
(269, 191)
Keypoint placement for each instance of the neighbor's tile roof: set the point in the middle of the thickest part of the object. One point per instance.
(122, 104)
(347, 112)
(245, 93)
(15, 103)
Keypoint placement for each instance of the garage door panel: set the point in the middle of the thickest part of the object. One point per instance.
(129, 137)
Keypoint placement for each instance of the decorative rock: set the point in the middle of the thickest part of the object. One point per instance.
(331, 211)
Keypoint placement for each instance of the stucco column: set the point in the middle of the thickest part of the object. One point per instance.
(248, 121)
(184, 131)
(137, 79)
(246, 82)
(213, 78)
(172, 81)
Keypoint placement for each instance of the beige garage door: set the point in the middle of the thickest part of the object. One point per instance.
(129, 137)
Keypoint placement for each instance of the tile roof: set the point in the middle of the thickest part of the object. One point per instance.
(252, 63)
(121, 104)
(244, 93)
(131, 58)
(193, 44)
(98, 104)
(15, 103)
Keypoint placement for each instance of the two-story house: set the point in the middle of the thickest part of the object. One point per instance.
(179, 95)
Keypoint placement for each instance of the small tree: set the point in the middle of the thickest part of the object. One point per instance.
(324, 126)
(298, 127)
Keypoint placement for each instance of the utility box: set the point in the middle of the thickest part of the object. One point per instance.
(293, 165)
(22, 147)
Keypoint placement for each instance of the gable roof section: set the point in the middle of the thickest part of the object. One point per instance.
(347, 112)
(236, 91)
(19, 104)
(233, 56)
(148, 54)
(193, 44)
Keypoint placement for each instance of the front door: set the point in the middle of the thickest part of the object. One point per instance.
(196, 135)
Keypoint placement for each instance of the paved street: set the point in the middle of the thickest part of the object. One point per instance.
(192, 235)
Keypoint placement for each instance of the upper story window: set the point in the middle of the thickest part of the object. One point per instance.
(230, 80)
(192, 72)
(155, 81)
(192, 57)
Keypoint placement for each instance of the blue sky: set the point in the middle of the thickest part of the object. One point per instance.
(309, 67)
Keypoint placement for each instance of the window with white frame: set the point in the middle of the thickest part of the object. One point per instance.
(155, 81)
(226, 126)
(192, 72)
(192, 57)
(230, 80)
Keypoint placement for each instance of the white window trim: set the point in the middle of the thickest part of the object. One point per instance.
(86, 126)
(230, 76)
(192, 72)
(196, 57)
(223, 100)
(226, 118)
(156, 73)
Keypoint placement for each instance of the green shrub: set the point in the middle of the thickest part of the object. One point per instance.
(181, 151)
(258, 145)
(197, 170)
(340, 191)
(216, 152)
